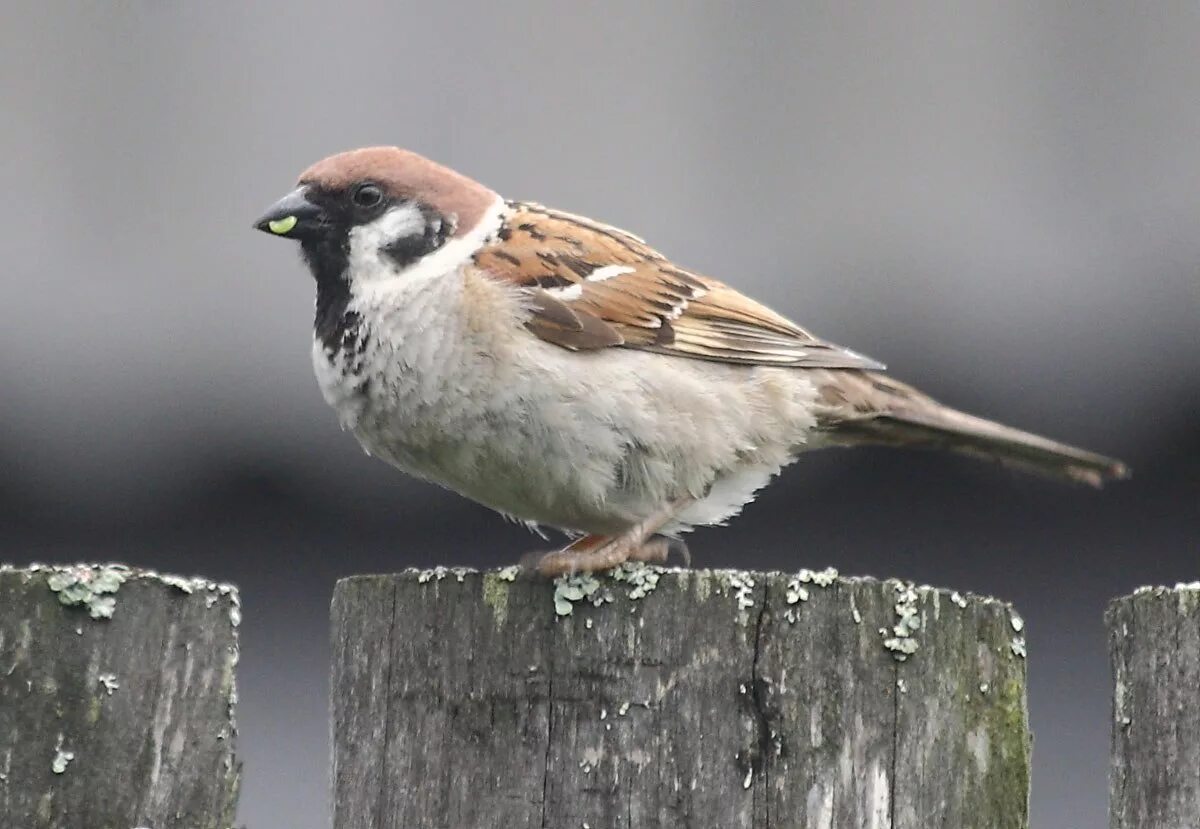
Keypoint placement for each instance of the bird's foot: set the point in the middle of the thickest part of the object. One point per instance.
(576, 551)
(597, 553)
(590, 554)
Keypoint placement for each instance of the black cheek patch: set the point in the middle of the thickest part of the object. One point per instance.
(408, 249)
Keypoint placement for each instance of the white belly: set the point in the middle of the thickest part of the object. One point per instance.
(591, 442)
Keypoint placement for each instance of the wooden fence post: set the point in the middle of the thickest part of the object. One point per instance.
(1154, 643)
(116, 699)
(673, 699)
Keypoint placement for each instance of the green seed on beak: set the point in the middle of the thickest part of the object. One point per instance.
(282, 226)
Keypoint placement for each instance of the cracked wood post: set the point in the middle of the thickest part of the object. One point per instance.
(674, 699)
(1154, 644)
(116, 699)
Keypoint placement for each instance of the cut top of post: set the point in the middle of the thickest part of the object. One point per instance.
(647, 695)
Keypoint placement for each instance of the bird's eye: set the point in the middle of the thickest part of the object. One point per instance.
(366, 195)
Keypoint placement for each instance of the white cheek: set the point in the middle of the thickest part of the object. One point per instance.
(367, 241)
(375, 276)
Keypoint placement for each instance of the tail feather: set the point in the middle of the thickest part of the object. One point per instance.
(868, 408)
(970, 435)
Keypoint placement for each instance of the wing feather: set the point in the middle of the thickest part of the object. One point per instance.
(594, 286)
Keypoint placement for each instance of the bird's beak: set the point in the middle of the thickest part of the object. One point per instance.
(293, 216)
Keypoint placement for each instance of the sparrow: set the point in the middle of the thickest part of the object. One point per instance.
(564, 373)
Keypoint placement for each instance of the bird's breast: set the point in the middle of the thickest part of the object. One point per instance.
(461, 394)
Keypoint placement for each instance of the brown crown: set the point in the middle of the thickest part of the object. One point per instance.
(406, 175)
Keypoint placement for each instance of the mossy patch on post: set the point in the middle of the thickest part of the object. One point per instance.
(495, 592)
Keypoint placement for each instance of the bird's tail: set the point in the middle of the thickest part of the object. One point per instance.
(865, 407)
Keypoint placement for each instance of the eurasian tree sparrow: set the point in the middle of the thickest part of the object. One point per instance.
(563, 372)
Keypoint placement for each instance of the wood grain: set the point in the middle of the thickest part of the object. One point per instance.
(1154, 644)
(674, 699)
(116, 700)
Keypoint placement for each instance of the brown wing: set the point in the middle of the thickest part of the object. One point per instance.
(594, 286)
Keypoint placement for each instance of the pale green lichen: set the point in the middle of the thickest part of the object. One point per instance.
(229, 684)
(62, 757)
(1018, 624)
(109, 682)
(796, 592)
(742, 585)
(94, 587)
(821, 578)
(1180, 588)
(642, 578)
(181, 583)
(438, 573)
(574, 588)
(91, 587)
(1018, 646)
(902, 643)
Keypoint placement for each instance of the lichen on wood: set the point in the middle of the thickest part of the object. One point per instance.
(674, 698)
(117, 689)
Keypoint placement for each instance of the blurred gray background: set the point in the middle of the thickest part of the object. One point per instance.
(1001, 200)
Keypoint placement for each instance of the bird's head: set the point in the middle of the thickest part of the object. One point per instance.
(375, 212)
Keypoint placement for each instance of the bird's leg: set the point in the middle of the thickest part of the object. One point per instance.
(600, 553)
(604, 556)
(579, 547)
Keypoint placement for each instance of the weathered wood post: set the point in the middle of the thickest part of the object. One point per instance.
(116, 699)
(673, 699)
(1154, 643)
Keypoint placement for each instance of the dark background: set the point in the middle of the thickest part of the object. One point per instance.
(1001, 200)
